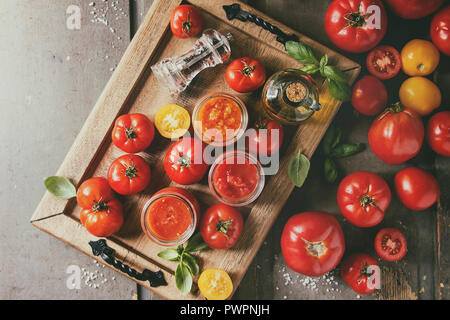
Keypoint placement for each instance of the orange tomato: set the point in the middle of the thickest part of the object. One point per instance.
(419, 57)
(420, 95)
(215, 284)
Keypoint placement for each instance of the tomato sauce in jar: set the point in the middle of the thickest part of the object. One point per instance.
(170, 216)
(220, 119)
(236, 178)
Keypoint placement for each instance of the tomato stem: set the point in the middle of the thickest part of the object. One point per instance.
(367, 200)
(130, 133)
(100, 206)
(222, 226)
(316, 249)
(187, 25)
(131, 171)
(247, 70)
(184, 161)
(356, 19)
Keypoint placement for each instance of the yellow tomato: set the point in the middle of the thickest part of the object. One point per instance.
(419, 58)
(215, 284)
(172, 121)
(420, 94)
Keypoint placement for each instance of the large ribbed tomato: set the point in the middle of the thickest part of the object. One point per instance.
(438, 133)
(354, 25)
(312, 243)
(396, 135)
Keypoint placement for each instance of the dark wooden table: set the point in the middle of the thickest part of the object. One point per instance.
(54, 79)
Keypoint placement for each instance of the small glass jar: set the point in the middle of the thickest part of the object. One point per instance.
(170, 217)
(220, 119)
(290, 96)
(236, 178)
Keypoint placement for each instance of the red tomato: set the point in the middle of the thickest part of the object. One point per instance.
(101, 213)
(384, 62)
(221, 226)
(363, 197)
(186, 21)
(369, 96)
(416, 188)
(440, 30)
(312, 243)
(360, 271)
(260, 140)
(184, 162)
(245, 74)
(129, 174)
(349, 24)
(390, 244)
(414, 9)
(133, 133)
(396, 135)
(438, 133)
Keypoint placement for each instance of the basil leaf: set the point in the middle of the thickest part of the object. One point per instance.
(298, 169)
(333, 73)
(191, 262)
(347, 149)
(310, 68)
(330, 170)
(323, 63)
(183, 279)
(339, 90)
(60, 187)
(169, 254)
(196, 243)
(301, 52)
(331, 139)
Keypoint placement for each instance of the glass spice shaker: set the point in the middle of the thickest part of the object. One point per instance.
(290, 96)
(211, 49)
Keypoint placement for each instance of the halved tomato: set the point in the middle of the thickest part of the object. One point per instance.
(390, 244)
(172, 121)
(384, 62)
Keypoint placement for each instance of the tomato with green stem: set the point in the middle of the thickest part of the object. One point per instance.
(245, 74)
(133, 133)
(221, 226)
(129, 174)
(361, 272)
(102, 213)
(186, 21)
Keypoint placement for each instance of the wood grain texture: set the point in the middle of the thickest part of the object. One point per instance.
(133, 88)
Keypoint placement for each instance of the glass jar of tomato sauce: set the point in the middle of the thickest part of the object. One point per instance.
(170, 217)
(219, 119)
(236, 178)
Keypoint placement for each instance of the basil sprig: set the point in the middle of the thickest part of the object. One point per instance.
(298, 169)
(332, 148)
(188, 265)
(336, 79)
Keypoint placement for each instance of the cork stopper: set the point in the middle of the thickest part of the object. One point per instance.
(295, 92)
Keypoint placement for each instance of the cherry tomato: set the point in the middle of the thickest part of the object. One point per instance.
(369, 96)
(101, 213)
(440, 30)
(419, 57)
(363, 197)
(215, 284)
(184, 162)
(384, 62)
(267, 137)
(414, 9)
(416, 188)
(390, 244)
(420, 95)
(129, 174)
(348, 24)
(245, 74)
(438, 133)
(133, 133)
(312, 243)
(360, 271)
(186, 21)
(396, 135)
(221, 226)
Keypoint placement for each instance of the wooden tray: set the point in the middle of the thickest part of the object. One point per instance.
(133, 88)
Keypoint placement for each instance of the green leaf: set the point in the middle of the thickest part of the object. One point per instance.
(60, 187)
(331, 139)
(339, 90)
(298, 169)
(323, 63)
(333, 73)
(195, 243)
(169, 254)
(191, 262)
(310, 68)
(347, 149)
(183, 279)
(301, 52)
(330, 170)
